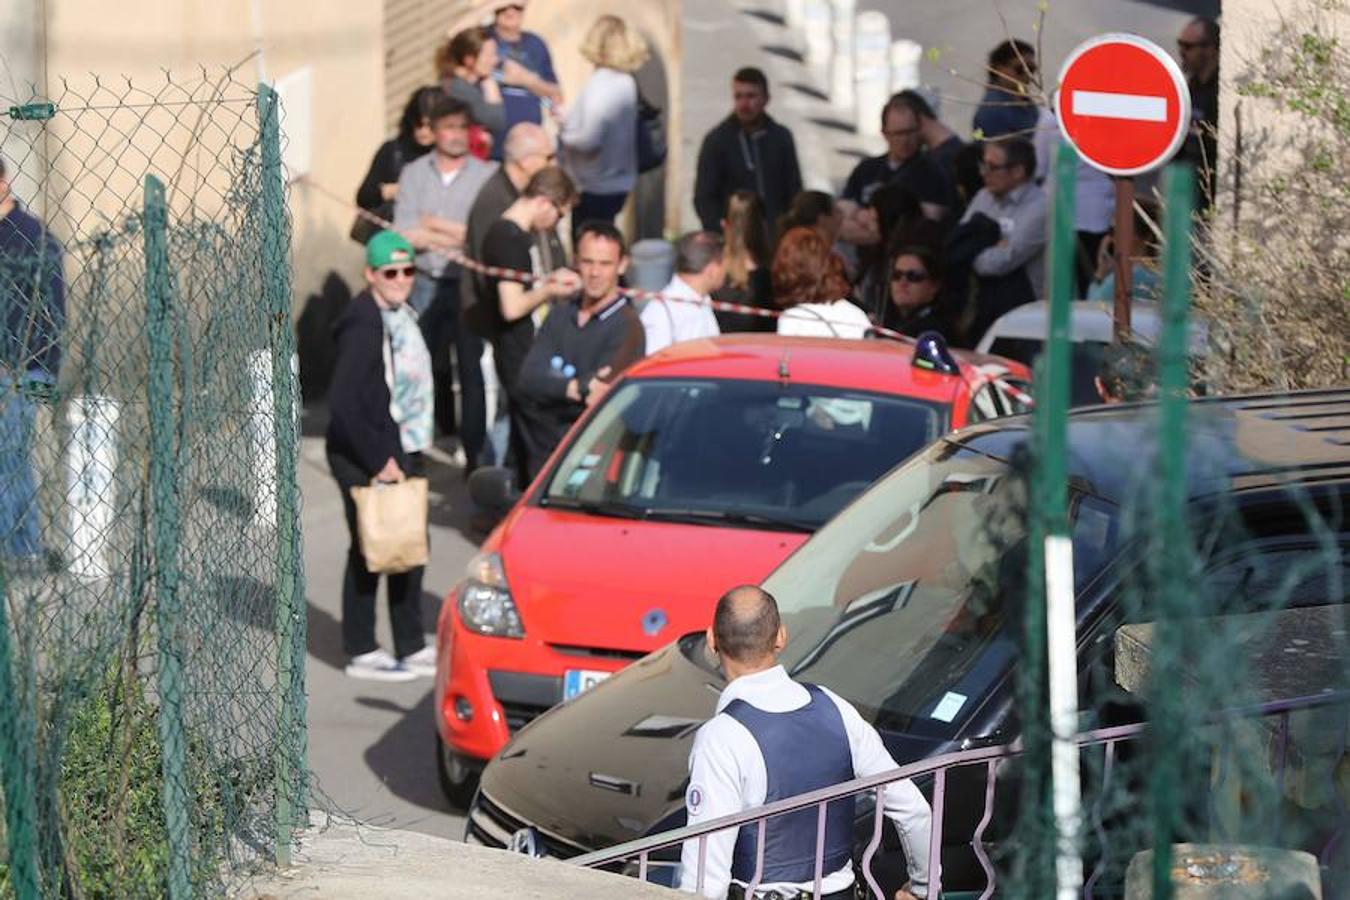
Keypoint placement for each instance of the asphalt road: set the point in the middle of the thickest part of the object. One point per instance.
(371, 745)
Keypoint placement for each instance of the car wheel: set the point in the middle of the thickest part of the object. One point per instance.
(458, 774)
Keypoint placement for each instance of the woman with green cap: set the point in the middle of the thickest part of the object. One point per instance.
(380, 405)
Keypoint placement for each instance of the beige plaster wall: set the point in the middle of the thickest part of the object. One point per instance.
(339, 40)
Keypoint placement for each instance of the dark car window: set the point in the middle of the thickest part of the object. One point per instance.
(1085, 360)
(741, 452)
(906, 603)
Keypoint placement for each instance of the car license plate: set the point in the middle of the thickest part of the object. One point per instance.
(579, 681)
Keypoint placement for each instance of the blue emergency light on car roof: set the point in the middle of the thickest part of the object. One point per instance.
(931, 353)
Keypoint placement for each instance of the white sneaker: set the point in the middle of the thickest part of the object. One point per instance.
(422, 663)
(378, 666)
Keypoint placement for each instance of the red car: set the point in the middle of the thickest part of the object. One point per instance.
(702, 468)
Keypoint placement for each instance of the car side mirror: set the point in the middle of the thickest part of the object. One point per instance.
(493, 488)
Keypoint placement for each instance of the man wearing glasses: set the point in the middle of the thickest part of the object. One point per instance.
(1198, 47)
(904, 163)
(525, 70)
(1011, 271)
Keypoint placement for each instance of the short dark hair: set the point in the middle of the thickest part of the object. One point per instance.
(913, 101)
(1009, 52)
(1018, 151)
(752, 75)
(447, 106)
(926, 254)
(695, 250)
(2, 167)
(601, 229)
(746, 635)
(1129, 371)
(553, 183)
(1210, 29)
(897, 104)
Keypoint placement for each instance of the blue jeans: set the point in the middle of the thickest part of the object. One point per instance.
(20, 533)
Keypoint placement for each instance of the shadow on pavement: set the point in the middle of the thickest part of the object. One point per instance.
(325, 637)
(765, 15)
(404, 757)
(431, 611)
(784, 52)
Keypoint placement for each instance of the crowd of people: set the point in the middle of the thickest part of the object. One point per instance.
(936, 234)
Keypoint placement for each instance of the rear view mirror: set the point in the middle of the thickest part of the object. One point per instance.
(493, 488)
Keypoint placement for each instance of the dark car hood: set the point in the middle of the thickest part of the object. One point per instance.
(615, 764)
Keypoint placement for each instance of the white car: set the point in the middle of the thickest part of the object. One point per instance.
(1020, 334)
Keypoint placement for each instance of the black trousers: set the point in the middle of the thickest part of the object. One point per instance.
(359, 584)
(442, 329)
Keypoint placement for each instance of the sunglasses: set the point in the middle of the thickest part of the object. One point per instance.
(993, 167)
(401, 272)
(1192, 45)
(913, 276)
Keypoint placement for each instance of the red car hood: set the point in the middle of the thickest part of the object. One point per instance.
(594, 581)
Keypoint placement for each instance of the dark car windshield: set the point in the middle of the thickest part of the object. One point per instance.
(757, 454)
(907, 603)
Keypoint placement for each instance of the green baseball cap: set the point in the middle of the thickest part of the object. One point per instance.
(387, 248)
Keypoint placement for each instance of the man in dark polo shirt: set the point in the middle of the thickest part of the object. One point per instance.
(583, 343)
(904, 163)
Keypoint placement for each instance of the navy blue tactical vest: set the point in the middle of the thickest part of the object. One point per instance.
(804, 750)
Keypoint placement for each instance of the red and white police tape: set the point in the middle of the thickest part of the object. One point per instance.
(531, 278)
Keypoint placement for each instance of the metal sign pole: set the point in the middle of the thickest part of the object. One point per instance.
(1124, 246)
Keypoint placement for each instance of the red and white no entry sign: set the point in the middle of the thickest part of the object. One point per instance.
(1123, 104)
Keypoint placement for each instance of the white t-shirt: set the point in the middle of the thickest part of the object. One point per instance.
(686, 318)
(838, 319)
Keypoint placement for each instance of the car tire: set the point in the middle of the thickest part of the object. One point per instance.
(458, 775)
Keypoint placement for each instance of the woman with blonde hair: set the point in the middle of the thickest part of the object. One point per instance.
(599, 134)
(747, 262)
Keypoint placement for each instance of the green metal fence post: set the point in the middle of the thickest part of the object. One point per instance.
(1169, 640)
(289, 575)
(1047, 519)
(17, 773)
(164, 489)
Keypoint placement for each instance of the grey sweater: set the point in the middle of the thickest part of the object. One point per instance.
(422, 191)
(599, 136)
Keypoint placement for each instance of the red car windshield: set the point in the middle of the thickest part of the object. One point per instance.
(742, 453)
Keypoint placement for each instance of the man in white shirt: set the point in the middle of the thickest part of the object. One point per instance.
(687, 315)
(774, 738)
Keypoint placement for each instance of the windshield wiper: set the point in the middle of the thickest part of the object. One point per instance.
(730, 517)
(595, 507)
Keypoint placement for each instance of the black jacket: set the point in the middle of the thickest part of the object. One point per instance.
(359, 425)
(385, 167)
(763, 161)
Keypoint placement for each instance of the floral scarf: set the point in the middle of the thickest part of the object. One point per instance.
(407, 371)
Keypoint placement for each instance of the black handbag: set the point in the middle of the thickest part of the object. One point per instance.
(364, 229)
(651, 136)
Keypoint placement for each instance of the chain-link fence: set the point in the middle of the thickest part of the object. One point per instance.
(152, 705)
(1206, 599)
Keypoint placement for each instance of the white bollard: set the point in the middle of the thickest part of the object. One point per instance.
(816, 24)
(906, 55)
(91, 483)
(842, 62)
(872, 43)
